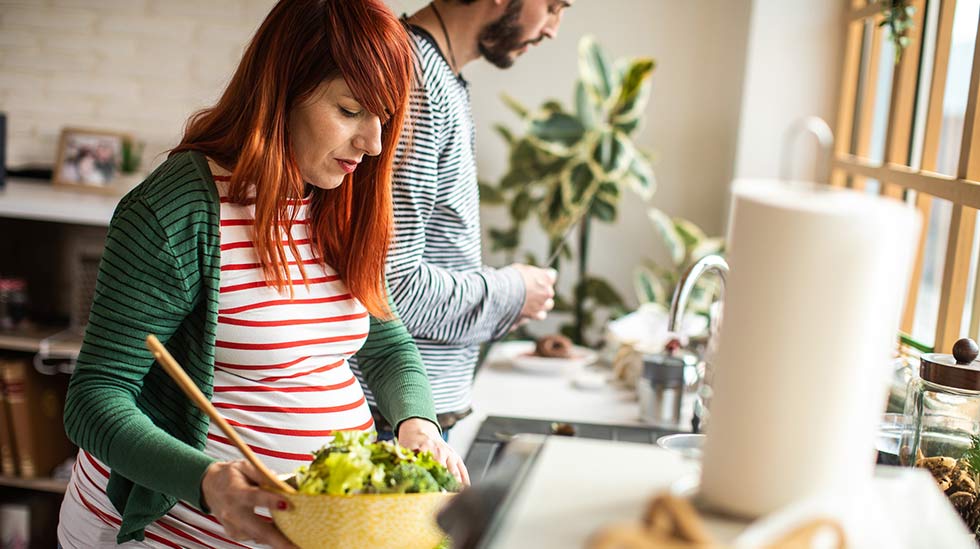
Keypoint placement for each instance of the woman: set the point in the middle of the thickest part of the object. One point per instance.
(256, 254)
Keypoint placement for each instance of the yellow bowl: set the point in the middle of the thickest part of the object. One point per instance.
(377, 521)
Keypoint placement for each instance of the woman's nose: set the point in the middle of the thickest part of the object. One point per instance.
(368, 139)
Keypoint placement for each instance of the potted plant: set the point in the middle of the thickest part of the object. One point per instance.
(131, 158)
(569, 169)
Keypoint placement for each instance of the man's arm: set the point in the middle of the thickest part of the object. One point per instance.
(439, 304)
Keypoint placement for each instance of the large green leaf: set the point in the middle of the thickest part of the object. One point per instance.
(515, 179)
(529, 163)
(707, 246)
(551, 106)
(641, 178)
(634, 92)
(554, 214)
(524, 157)
(505, 132)
(594, 70)
(504, 240)
(584, 108)
(603, 211)
(520, 207)
(602, 292)
(605, 202)
(608, 192)
(557, 126)
(665, 227)
(490, 194)
(690, 233)
(649, 288)
(581, 183)
(514, 105)
(612, 154)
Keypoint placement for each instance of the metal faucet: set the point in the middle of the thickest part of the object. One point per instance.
(709, 263)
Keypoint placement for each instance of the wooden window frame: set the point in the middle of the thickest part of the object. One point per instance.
(896, 174)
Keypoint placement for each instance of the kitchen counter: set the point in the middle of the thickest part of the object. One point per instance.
(500, 389)
(554, 505)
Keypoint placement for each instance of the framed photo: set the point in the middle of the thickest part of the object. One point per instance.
(88, 159)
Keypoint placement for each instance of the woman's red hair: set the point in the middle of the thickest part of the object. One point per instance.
(300, 44)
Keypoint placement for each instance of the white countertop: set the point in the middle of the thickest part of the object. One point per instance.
(578, 486)
(502, 390)
(559, 507)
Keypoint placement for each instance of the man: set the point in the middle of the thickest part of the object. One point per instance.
(446, 297)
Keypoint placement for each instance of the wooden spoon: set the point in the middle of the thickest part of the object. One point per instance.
(184, 382)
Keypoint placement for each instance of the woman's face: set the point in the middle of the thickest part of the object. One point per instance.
(331, 133)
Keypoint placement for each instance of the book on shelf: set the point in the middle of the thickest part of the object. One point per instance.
(36, 405)
(7, 466)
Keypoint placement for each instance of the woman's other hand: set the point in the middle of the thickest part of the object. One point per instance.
(422, 434)
(231, 491)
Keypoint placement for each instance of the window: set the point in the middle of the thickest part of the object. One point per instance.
(911, 130)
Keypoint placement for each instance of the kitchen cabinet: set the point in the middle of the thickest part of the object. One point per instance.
(44, 228)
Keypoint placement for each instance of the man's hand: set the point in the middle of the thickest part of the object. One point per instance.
(539, 287)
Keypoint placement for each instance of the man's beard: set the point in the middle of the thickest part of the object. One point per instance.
(500, 38)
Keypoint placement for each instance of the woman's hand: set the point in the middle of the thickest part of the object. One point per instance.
(422, 434)
(231, 491)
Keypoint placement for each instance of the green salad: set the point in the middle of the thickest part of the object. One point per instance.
(353, 464)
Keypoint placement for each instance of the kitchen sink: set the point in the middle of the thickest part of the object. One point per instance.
(496, 431)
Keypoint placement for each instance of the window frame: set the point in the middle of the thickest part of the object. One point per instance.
(896, 175)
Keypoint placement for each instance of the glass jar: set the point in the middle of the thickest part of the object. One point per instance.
(943, 434)
(943, 405)
(13, 302)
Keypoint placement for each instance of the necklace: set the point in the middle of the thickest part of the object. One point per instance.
(445, 34)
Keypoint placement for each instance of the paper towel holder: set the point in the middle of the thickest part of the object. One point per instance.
(825, 138)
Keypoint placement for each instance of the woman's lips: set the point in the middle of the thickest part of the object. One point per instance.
(347, 165)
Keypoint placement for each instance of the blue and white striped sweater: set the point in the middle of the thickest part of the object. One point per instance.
(449, 301)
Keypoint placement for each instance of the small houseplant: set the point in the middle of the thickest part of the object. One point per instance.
(686, 243)
(897, 16)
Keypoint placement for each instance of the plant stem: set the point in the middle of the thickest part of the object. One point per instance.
(584, 231)
(552, 246)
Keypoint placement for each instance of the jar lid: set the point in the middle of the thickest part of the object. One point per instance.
(667, 367)
(960, 370)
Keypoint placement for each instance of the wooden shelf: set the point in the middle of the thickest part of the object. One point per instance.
(29, 340)
(37, 484)
(39, 200)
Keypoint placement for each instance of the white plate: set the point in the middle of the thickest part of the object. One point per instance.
(520, 354)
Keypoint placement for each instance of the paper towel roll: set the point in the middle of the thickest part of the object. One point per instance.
(812, 307)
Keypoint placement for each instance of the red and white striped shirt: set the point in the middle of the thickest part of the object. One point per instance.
(281, 378)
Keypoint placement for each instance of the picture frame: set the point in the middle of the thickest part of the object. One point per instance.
(89, 159)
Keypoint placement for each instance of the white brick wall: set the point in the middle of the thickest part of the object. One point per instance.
(138, 66)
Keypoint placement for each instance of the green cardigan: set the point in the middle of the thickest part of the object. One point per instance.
(160, 274)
